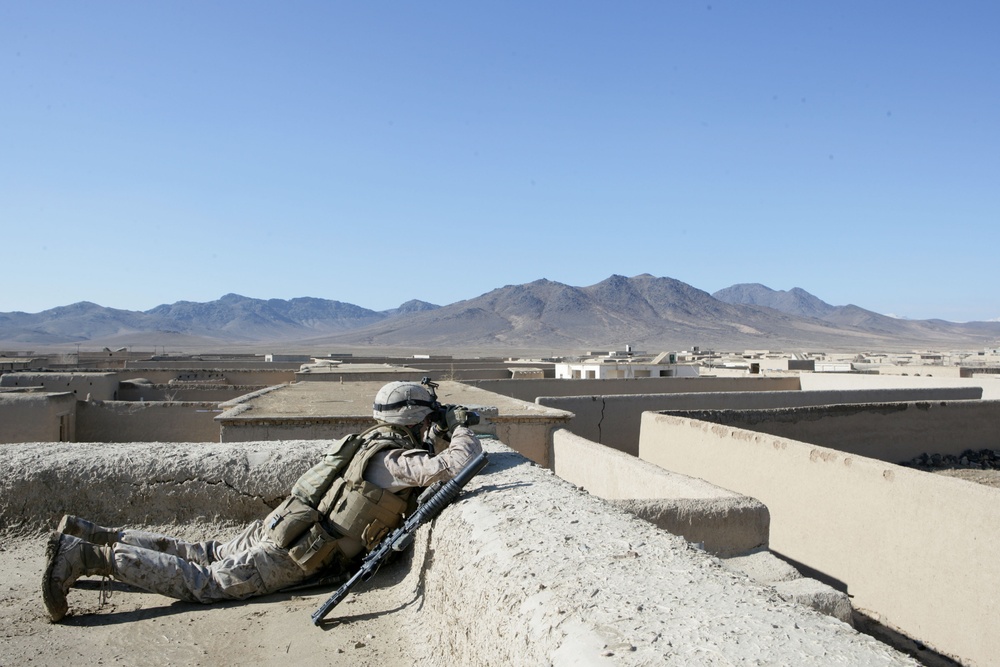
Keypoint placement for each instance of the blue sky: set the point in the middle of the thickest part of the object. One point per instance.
(374, 153)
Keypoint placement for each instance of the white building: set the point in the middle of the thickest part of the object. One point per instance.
(619, 366)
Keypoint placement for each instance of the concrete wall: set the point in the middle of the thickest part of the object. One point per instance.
(530, 437)
(412, 376)
(907, 545)
(99, 386)
(529, 390)
(726, 523)
(614, 420)
(921, 370)
(290, 428)
(536, 572)
(122, 421)
(211, 375)
(128, 391)
(892, 432)
(37, 417)
(818, 381)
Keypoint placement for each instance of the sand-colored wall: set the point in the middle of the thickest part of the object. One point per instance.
(906, 544)
(990, 386)
(893, 432)
(291, 428)
(461, 374)
(529, 390)
(37, 417)
(99, 386)
(724, 522)
(613, 420)
(184, 392)
(123, 421)
(211, 374)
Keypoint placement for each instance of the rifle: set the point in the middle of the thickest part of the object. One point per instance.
(431, 502)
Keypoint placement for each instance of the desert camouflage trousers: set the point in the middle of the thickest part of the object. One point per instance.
(247, 565)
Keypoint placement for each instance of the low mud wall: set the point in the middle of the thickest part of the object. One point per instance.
(892, 432)
(152, 483)
(904, 544)
(530, 389)
(613, 420)
(25, 417)
(539, 571)
(990, 386)
(126, 421)
(724, 522)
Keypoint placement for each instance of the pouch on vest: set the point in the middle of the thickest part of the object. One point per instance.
(289, 520)
(373, 534)
(366, 513)
(311, 486)
(314, 550)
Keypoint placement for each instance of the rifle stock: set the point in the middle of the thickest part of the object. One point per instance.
(401, 538)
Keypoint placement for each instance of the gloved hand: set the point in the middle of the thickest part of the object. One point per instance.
(456, 415)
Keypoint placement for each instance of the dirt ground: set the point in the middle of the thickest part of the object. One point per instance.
(371, 627)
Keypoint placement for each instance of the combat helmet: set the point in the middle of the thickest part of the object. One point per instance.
(402, 403)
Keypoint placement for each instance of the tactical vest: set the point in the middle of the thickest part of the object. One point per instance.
(332, 512)
(358, 509)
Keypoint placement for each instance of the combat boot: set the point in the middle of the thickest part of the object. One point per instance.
(88, 531)
(68, 559)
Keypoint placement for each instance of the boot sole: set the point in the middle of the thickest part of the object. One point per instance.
(56, 610)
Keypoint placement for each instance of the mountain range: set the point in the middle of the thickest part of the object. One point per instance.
(647, 312)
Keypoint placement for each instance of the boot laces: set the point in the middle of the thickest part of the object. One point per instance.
(105, 592)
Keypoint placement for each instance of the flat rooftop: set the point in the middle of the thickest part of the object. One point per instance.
(354, 399)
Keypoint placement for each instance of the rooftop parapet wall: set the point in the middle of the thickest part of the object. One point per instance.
(328, 410)
(892, 432)
(904, 543)
(126, 421)
(29, 417)
(99, 386)
(147, 483)
(523, 569)
(529, 390)
(210, 374)
(613, 420)
(726, 523)
(849, 381)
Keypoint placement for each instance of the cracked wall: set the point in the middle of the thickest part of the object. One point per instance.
(147, 483)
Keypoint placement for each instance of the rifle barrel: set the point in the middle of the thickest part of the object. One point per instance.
(427, 511)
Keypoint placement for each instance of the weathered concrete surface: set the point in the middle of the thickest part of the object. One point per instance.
(523, 569)
(821, 597)
(146, 483)
(725, 522)
(903, 543)
(762, 566)
(570, 581)
(766, 568)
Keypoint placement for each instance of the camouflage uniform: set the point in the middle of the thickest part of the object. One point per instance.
(252, 563)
